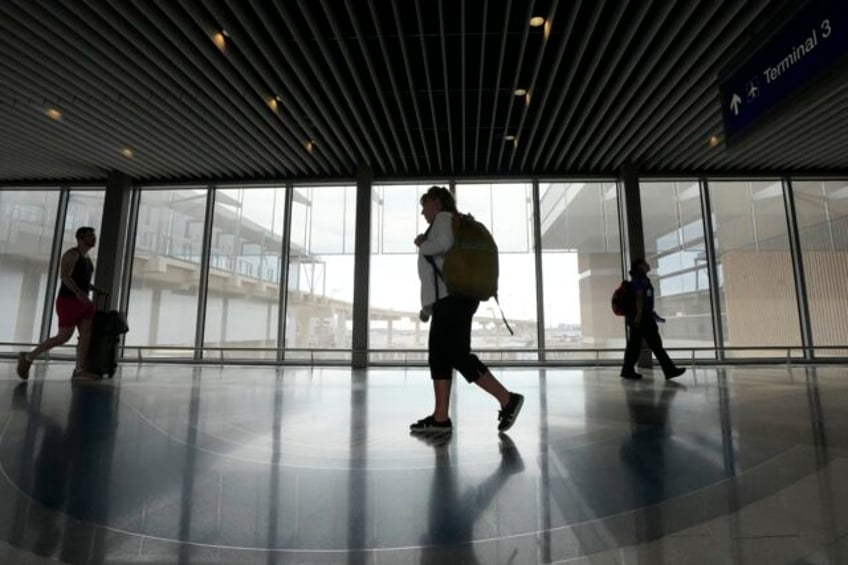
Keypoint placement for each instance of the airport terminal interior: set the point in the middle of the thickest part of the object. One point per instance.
(254, 170)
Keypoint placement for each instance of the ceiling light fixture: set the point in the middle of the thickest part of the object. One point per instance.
(219, 40)
(537, 21)
(127, 152)
(527, 99)
(520, 92)
(309, 145)
(714, 140)
(272, 103)
(53, 114)
(547, 31)
(509, 138)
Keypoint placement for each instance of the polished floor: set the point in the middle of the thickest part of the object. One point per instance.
(182, 464)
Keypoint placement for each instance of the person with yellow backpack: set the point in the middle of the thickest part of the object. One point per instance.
(456, 273)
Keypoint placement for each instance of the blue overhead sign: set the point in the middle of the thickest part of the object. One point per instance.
(814, 40)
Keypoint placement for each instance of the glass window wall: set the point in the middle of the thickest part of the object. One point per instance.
(166, 271)
(395, 291)
(507, 210)
(319, 312)
(822, 212)
(244, 272)
(581, 266)
(675, 248)
(27, 221)
(756, 279)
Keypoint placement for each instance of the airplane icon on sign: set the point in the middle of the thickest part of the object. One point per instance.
(753, 89)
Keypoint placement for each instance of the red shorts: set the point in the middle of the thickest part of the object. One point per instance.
(71, 311)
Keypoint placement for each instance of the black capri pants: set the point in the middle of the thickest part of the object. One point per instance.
(449, 344)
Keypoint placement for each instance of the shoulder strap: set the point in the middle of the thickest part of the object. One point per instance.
(503, 317)
(437, 274)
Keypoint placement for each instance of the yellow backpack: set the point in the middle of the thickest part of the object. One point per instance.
(471, 264)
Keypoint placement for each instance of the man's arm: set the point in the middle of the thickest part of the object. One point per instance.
(66, 271)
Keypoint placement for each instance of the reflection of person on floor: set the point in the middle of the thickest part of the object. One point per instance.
(644, 452)
(68, 474)
(452, 515)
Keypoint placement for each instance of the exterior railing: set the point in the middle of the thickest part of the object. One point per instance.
(790, 354)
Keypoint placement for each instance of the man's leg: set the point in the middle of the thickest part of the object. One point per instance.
(59, 339)
(631, 353)
(654, 341)
(25, 359)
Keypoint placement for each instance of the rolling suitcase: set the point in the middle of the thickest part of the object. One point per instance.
(106, 331)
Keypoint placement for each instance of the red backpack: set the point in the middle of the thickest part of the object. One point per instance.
(622, 300)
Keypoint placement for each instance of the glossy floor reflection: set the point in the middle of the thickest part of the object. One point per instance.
(182, 464)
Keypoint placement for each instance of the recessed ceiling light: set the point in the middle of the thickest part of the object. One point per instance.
(509, 137)
(527, 99)
(309, 145)
(547, 29)
(279, 98)
(219, 40)
(53, 114)
(536, 21)
(714, 140)
(225, 33)
(272, 103)
(520, 92)
(127, 152)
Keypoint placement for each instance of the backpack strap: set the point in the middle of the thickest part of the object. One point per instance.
(503, 317)
(437, 274)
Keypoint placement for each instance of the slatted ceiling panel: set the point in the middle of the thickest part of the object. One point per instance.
(421, 88)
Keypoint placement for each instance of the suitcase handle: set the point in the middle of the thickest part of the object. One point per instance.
(101, 301)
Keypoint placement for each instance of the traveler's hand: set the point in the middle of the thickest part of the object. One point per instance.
(420, 239)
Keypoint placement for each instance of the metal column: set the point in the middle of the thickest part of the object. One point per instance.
(712, 268)
(537, 254)
(798, 270)
(53, 266)
(284, 274)
(203, 284)
(361, 269)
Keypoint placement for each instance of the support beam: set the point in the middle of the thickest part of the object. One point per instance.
(629, 182)
(112, 237)
(361, 270)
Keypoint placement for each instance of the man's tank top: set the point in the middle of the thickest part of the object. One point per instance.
(83, 269)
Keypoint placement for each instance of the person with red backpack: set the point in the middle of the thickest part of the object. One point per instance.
(638, 308)
(450, 314)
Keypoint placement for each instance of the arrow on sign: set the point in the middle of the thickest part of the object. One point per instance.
(734, 104)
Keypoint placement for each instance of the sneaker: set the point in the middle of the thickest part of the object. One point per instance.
(429, 425)
(631, 376)
(23, 365)
(676, 372)
(509, 413)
